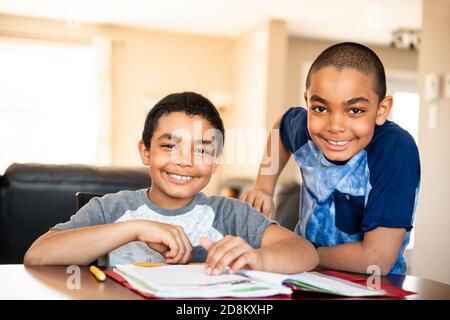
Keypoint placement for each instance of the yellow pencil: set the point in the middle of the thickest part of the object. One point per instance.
(99, 274)
(146, 264)
(154, 264)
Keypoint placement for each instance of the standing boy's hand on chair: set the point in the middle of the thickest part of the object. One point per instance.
(232, 252)
(169, 240)
(261, 200)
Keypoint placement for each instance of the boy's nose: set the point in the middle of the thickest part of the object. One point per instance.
(184, 163)
(336, 123)
(183, 158)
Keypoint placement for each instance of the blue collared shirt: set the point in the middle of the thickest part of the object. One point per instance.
(377, 187)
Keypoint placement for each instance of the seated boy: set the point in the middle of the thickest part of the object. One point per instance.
(360, 172)
(172, 221)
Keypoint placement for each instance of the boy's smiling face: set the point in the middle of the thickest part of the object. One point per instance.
(181, 159)
(343, 110)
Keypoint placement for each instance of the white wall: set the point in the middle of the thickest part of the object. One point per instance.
(431, 254)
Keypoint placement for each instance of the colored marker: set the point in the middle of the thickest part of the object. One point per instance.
(99, 274)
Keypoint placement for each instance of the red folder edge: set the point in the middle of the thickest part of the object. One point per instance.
(391, 290)
(117, 277)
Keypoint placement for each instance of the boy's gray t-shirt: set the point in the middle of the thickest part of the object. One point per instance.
(213, 217)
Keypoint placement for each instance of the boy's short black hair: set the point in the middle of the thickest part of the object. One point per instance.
(353, 56)
(191, 104)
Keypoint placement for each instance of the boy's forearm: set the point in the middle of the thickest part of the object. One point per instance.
(80, 246)
(290, 255)
(352, 257)
(273, 162)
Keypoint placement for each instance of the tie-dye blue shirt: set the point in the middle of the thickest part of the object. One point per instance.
(377, 187)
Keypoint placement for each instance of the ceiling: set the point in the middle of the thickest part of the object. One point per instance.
(368, 21)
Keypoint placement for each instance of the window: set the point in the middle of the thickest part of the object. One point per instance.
(405, 110)
(49, 106)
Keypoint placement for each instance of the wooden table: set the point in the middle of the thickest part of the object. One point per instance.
(50, 283)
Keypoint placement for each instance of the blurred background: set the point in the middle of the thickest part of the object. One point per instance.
(78, 77)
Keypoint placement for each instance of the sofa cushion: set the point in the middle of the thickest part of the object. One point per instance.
(287, 205)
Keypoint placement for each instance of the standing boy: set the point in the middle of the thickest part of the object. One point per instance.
(360, 171)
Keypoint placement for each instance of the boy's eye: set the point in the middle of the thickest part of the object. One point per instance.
(319, 109)
(168, 146)
(356, 111)
(203, 151)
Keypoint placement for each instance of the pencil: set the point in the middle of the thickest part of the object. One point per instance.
(154, 264)
(146, 264)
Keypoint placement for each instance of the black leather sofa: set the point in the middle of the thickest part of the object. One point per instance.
(35, 197)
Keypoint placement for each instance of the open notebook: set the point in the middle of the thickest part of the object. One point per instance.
(191, 281)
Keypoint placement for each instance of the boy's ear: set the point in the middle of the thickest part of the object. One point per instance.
(217, 162)
(305, 96)
(384, 108)
(144, 152)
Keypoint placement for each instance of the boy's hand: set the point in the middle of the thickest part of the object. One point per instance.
(260, 200)
(169, 240)
(232, 252)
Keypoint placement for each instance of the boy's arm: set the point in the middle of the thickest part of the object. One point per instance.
(273, 163)
(380, 247)
(285, 252)
(79, 246)
(84, 245)
(281, 251)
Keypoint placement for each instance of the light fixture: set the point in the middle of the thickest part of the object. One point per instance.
(404, 38)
